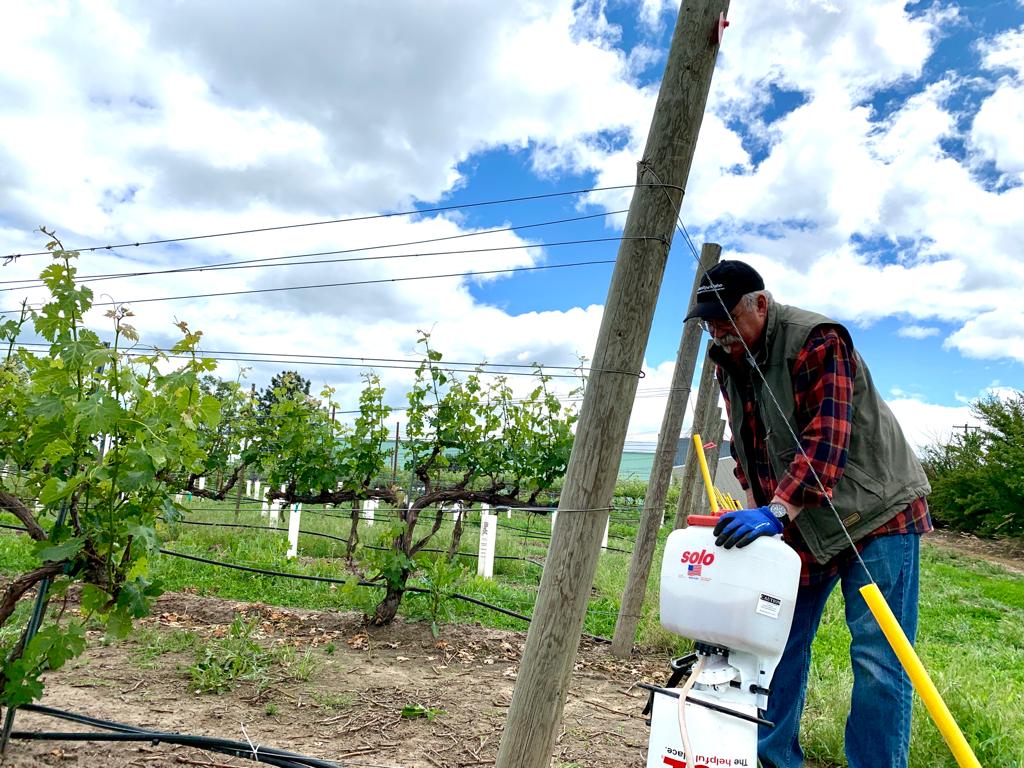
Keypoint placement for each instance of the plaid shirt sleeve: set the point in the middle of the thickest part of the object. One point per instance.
(737, 469)
(823, 393)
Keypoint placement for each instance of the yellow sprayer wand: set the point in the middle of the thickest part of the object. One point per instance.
(708, 485)
(918, 675)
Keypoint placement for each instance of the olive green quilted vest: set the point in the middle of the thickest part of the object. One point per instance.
(882, 474)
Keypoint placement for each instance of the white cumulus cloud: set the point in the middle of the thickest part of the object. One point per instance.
(917, 331)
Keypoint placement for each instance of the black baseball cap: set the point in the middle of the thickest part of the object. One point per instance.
(731, 280)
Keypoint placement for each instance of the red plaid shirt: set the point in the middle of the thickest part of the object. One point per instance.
(823, 377)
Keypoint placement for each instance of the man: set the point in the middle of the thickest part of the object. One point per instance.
(810, 386)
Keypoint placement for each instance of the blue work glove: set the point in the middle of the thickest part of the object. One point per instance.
(741, 526)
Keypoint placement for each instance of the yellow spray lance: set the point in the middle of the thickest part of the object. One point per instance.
(708, 485)
(918, 675)
(901, 646)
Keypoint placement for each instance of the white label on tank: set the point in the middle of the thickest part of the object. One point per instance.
(769, 605)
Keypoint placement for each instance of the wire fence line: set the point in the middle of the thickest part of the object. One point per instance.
(537, 535)
(590, 241)
(340, 284)
(394, 513)
(271, 260)
(351, 219)
(286, 261)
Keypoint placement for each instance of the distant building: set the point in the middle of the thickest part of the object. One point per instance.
(637, 464)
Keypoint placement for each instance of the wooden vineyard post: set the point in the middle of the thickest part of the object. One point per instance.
(705, 422)
(715, 454)
(238, 500)
(692, 492)
(535, 714)
(653, 516)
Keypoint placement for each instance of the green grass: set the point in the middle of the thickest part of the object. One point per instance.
(971, 641)
(971, 635)
(150, 643)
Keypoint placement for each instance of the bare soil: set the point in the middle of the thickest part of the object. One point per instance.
(1008, 553)
(350, 711)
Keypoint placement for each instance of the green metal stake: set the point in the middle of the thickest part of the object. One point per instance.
(36, 620)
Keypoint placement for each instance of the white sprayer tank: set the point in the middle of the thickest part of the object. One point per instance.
(740, 599)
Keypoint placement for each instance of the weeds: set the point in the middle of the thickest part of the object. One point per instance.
(304, 667)
(440, 577)
(221, 664)
(152, 643)
(412, 711)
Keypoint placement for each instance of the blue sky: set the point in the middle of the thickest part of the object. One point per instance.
(865, 156)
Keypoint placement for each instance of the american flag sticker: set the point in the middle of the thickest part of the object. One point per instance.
(693, 569)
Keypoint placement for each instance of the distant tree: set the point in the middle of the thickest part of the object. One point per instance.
(978, 478)
(231, 445)
(282, 386)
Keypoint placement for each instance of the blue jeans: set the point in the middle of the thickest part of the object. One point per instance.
(878, 726)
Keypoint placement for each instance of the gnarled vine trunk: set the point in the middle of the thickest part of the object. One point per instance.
(353, 534)
(453, 547)
(387, 609)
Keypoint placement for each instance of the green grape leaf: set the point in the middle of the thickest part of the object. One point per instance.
(119, 624)
(94, 599)
(55, 553)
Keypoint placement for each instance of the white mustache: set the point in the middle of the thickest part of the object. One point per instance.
(726, 341)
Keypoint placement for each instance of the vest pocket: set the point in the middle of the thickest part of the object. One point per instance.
(863, 482)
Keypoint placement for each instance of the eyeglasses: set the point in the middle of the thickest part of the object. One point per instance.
(714, 325)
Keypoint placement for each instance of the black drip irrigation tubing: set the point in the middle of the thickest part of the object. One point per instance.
(304, 532)
(330, 580)
(114, 731)
(475, 523)
(371, 584)
(526, 535)
(259, 527)
(531, 510)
